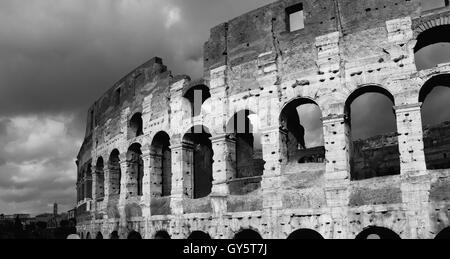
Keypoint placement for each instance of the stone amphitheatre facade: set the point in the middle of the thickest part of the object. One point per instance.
(156, 164)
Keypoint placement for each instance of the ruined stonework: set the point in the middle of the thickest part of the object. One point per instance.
(155, 165)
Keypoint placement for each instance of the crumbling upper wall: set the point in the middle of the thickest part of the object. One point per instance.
(152, 77)
(242, 39)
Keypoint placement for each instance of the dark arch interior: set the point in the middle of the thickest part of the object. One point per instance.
(427, 88)
(197, 95)
(88, 181)
(136, 126)
(100, 185)
(364, 90)
(201, 146)
(114, 172)
(436, 121)
(371, 122)
(134, 235)
(162, 162)
(199, 235)
(444, 234)
(248, 234)
(305, 234)
(99, 235)
(114, 235)
(299, 124)
(249, 163)
(88, 235)
(378, 233)
(135, 169)
(162, 235)
(432, 36)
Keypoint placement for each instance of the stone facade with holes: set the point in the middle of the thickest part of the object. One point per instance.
(253, 63)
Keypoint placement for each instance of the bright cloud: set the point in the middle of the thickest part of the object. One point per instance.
(173, 15)
(39, 154)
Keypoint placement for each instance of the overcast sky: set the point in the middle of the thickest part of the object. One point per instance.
(58, 56)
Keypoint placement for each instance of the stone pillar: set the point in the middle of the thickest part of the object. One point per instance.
(224, 169)
(416, 183)
(146, 183)
(182, 174)
(219, 99)
(124, 123)
(269, 117)
(124, 179)
(156, 175)
(338, 150)
(273, 156)
(176, 105)
(107, 186)
(410, 139)
(94, 183)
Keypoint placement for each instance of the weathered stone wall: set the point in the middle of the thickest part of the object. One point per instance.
(253, 63)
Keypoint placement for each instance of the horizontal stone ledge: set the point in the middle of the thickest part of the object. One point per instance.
(408, 107)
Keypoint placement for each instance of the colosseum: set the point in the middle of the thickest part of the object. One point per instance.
(229, 155)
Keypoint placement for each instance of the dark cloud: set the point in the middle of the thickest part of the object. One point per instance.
(61, 55)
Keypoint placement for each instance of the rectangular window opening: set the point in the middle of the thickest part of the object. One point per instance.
(92, 120)
(117, 97)
(295, 17)
(428, 5)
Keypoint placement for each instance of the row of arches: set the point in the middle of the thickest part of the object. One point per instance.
(160, 160)
(371, 127)
(304, 143)
(372, 232)
(197, 152)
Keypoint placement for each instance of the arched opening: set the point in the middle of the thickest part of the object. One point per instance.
(134, 235)
(249, 163)
(88, 235)
(378, 233)
(161, 162)
(301, 120)
(433, 47)
(199, 235)
(99, 235)
(248, 234)
(115, 173)
(88, 180)
(305, 234)
(135, 171)
(374, 150)
(434, 97)
(199, 154)
(100, 179)
(444, 234)
(136, 127)
(162, 235)
(114, 235)
(197, 95)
